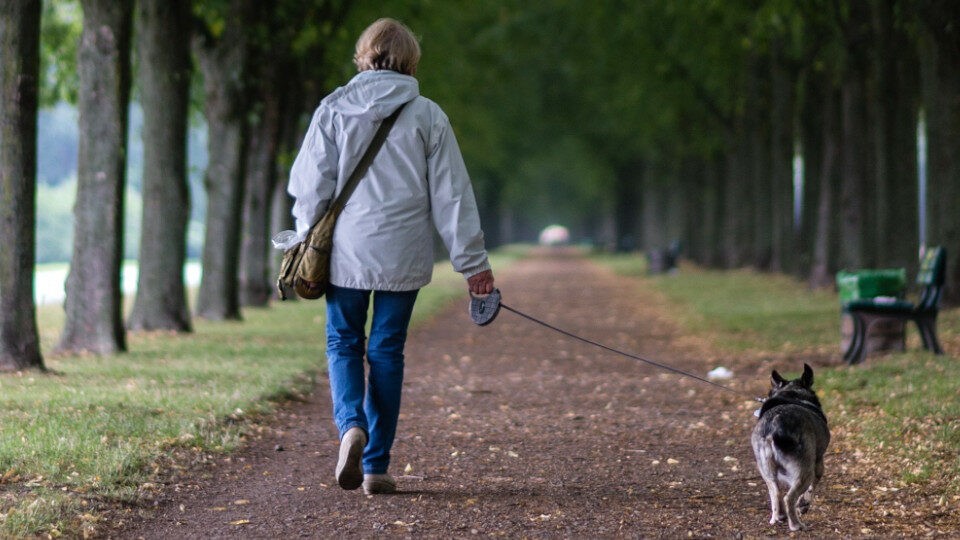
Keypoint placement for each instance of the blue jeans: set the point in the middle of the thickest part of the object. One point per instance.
(378, 413)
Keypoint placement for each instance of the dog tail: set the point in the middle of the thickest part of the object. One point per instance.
(783, 434)
(785, 441)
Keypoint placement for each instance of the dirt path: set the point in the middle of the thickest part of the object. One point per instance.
(514, 430)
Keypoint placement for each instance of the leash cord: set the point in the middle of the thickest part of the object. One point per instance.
(623, 353)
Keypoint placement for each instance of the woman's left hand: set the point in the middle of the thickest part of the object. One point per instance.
(481, 283)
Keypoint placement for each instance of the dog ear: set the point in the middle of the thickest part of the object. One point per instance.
(807, 378)
(776, 381)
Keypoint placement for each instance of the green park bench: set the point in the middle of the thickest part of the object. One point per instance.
(866, 312)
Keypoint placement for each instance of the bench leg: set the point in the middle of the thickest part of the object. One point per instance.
(927, 325)
(857, 350)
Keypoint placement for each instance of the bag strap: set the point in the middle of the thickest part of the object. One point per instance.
(361, 169)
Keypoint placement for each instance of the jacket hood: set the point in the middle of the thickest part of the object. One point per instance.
(373, 95)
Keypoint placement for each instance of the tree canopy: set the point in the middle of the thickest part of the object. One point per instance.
(641, 123)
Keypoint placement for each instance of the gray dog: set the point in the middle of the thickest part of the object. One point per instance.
(789, 441)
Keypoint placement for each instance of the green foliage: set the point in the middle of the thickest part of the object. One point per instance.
(61, 26)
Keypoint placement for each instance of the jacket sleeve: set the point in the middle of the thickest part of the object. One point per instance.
(313, 177)
(452, 202)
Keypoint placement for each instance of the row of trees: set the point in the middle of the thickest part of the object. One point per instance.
(634, 123)
(775, 134)
(246, 89)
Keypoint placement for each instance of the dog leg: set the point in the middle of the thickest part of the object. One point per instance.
(776, 512)
(805, 501)
(767, 466)
(790, 501)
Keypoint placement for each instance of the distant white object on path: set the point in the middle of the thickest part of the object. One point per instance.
(554, 235)
(720, 373)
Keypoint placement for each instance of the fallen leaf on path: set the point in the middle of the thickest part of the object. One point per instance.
(240, 522)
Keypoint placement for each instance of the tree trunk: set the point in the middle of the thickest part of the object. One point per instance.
(94, 303)
(738, 219)
(222, 61)
(652, 211)
(255, 286)
(19, 81)
(881, 106)
(713, 215)
(893, 115)
(626, 206)
(942, 103)
(164, 72)
(853, 188)
(904, 227)
(783, 254)
(761, 186)
(821, 271)
(856, 195)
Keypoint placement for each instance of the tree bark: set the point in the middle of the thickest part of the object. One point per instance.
(941, 95)
(94, 303)
(758, 154)
(737, 214)
(164, 73)
(713, 213)
(652, 211)
(19, 81)
(783, 253)
(821, 271)
(853, 185)
(222, 61)
(255, 284)
(893, 119)
(629, 178)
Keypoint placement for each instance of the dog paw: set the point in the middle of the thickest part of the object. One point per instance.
(798, 526)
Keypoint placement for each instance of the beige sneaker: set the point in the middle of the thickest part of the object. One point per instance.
(349, 472)
(378, 484)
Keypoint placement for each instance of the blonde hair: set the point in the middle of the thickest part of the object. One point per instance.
(387, 44)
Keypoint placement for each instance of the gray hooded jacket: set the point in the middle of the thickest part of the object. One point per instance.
(384, 238)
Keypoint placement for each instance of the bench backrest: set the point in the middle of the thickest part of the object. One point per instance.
(931, 277)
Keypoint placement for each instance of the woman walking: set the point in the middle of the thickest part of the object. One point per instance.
(383, 242)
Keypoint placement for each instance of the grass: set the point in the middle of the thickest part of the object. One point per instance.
(98, 428)
(744, 309)
(904, 406)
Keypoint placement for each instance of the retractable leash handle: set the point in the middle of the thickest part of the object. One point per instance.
(484, 309)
